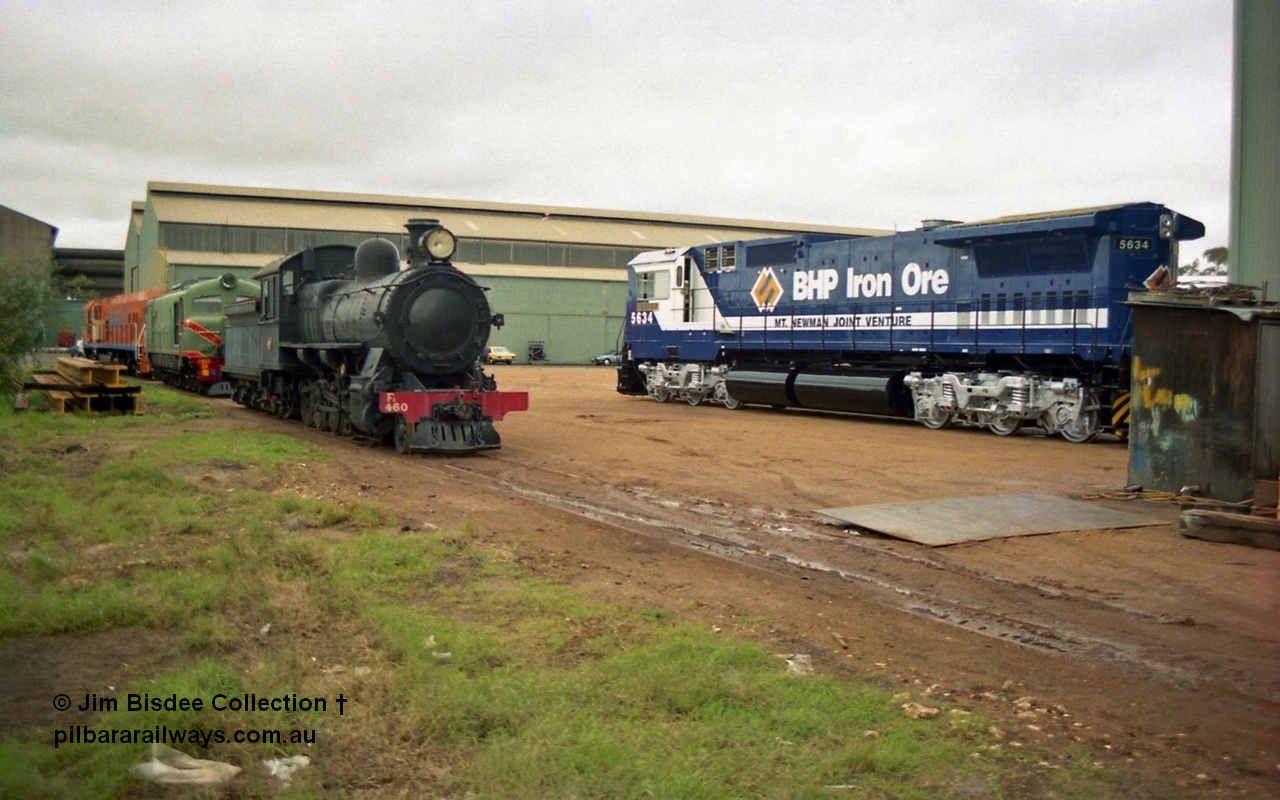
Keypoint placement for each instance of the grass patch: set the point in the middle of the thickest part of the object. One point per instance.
(464, 674)
(538, 694)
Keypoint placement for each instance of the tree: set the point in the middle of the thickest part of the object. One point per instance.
(1217, 258)
(1212, 262)
(25, 297)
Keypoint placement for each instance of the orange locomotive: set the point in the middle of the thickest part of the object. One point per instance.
(114, 330)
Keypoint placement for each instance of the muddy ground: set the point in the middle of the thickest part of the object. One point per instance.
(1158, 654)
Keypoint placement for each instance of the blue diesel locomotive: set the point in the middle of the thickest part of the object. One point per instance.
(1000, 324)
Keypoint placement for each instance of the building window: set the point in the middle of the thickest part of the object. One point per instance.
(283, 241)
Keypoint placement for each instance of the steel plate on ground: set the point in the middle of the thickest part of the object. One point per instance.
(974, 519)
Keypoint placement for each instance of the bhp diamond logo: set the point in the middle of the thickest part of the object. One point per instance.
(767, 290)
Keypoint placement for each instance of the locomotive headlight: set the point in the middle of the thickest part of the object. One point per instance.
(439, 243)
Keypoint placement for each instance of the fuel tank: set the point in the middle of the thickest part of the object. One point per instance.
(876, 392)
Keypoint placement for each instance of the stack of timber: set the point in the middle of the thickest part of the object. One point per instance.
(1260, 529)
(81, 384)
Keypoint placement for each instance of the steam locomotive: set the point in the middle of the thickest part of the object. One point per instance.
(997, 324)
(344, 339)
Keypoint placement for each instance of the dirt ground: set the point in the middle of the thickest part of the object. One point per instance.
(1158, 654)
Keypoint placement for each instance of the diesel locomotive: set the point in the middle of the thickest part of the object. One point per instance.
(1011, 322)
(113, 330)
(346, 340)
(184, 329)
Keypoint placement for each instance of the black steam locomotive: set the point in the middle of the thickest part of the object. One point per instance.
(344, 339)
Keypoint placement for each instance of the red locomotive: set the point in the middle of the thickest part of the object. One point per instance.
(114, 330)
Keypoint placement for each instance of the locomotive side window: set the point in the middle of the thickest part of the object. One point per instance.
(269, 298)
(206, 305)
(653, 285)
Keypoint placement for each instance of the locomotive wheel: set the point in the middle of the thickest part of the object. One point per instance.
(935, 419)
(660, 393)
(1005, 425)
(694, 398)
(721, 395)
(1086, 428)
(402, 434)
(307, 405)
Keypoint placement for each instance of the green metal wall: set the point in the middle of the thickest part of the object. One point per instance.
(64, 314)
(1255, 163)
(576, 319)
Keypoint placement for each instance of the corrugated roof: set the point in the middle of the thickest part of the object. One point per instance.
(283, 208)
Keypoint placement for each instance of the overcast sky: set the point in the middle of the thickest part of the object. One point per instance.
(875, 113)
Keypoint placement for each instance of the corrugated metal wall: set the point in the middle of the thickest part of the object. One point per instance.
(1255, 158)
(1204, 399)
(576, 319)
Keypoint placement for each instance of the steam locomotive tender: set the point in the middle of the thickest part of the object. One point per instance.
(344, 339)
(184, 329)
(998, 324)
